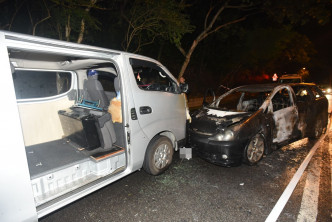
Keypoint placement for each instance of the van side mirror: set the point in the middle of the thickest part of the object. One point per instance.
(184, 87)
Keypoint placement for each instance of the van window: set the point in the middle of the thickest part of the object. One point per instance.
(151, 77)
(31, 84)
(107, 81)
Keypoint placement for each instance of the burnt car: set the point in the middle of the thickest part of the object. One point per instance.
(249, 121)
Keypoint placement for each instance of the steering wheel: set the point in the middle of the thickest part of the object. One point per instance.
(153, 86)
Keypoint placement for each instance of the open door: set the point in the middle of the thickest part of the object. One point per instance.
(285, 115)
(159, 104)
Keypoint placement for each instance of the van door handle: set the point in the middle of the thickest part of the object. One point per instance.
(145, 110)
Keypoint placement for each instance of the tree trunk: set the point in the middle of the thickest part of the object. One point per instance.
(82, 30)
(68, 29)
(208, 30)
(80, 36)
(187, 59)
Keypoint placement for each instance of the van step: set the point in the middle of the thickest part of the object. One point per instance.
(103, 155)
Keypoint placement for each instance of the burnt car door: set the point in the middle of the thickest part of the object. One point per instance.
(318, 112)
(285, 114)
(304, 98)
(312, 107)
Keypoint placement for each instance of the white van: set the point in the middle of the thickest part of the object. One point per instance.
(76, 118)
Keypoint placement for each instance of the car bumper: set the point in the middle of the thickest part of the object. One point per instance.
(224, 153)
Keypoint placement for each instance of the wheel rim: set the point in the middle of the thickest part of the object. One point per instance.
(162, 156)
(255, 149)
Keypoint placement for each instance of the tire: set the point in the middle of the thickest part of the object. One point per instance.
(158, 156)
(254, 151)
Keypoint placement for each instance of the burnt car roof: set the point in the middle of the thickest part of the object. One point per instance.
(259, 87)
(302, 83)
(268, 87)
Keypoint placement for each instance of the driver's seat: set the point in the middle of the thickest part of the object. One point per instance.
(96, 91)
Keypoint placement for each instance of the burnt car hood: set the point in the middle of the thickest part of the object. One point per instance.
(210, 121)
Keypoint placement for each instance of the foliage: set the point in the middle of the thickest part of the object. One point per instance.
(263, 51)
(149, 19)
(269, 47)
(298, 12)
(220, 15)
(73, 16)
(209, 41)
(54, 18)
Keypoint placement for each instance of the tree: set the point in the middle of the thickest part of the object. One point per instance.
(53, 18)
(37, 12)
(298, 12)
(214, 22)
(74, 16)
(150, 19)
(41, 20)
(261, 52)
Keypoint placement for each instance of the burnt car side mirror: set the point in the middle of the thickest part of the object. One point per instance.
(208, 93)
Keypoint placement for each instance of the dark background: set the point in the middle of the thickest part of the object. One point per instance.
(275, 37)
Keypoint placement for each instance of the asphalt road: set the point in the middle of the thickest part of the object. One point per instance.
(195, 190)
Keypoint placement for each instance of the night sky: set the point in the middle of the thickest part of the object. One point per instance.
(226, 57)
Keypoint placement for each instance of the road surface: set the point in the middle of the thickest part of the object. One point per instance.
(195, 190)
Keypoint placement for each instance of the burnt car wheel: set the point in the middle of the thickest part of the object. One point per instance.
(159, 155)
(254, 150)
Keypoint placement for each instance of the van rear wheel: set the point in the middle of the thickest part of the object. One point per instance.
(158, 156)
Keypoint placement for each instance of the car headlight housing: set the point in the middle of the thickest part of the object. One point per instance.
(223, 136)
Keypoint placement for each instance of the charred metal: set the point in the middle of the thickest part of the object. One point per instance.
(249, 121)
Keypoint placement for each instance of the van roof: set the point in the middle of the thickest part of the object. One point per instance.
(29, 39)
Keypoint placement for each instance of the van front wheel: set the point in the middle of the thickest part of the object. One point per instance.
(158, 156)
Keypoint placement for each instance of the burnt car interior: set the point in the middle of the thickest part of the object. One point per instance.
(242, 101)
(302, 94)
(281, 100)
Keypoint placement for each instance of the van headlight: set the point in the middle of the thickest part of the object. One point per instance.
(223, 136)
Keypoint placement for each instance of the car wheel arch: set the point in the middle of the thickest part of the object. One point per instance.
(149, 153)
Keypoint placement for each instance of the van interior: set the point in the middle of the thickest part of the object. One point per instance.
(71, 136)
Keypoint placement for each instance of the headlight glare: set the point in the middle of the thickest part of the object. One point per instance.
(228, 135)
(223, 136)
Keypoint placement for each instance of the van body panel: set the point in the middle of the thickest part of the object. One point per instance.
(36, 131)
(49, 208)
(167, 108)
(16, 198)
(50, 135)
(135, 136)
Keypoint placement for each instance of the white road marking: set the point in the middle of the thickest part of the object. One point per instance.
(309, 204)
(274, 214)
